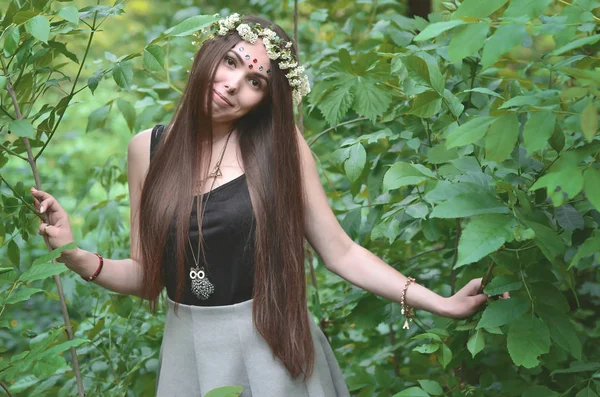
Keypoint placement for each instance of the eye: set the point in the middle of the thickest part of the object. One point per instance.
(229, 61)
(255, 83)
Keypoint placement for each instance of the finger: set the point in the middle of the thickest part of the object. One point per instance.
(50, 205)
(472, 288)
(480, 299)
(46, 229)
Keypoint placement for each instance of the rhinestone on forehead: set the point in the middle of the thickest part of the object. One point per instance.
(255, 60)
(247, 56)
(260, 68)
(251, 66)
(241, 49)
(268, 71)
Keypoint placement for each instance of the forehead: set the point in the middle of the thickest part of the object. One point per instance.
(256, 50)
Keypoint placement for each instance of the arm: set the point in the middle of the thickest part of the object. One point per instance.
(359, 266)
(119, 275)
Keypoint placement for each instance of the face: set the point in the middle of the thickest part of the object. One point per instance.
(241, 81)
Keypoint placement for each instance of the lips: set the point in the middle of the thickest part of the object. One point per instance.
(223, 98)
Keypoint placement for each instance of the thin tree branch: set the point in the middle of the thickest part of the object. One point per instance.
(320, 134)
(31, 159)
(72, 93)
(5, 389)
(453, 273)
(11, 152)
(299, 108)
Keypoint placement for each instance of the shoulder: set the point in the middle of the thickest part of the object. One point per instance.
(138, 154)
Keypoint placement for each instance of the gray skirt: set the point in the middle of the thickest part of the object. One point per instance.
(206, 347)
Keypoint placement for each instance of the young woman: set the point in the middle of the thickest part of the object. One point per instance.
(219, 217)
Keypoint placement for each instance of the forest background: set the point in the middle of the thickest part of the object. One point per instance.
(455, 145)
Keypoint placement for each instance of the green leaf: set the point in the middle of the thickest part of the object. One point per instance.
(39, 27)
(444, 355)
(591, 246)
(54, 254)
(69, 13)
(469, 132)
(568, 217)
(48, 364)
(431, 386)
(335, 103)
(97, 118)
(478, 8)
(561, 185)
(521, 100)
(483, 235)
(123, 74)
(587, 392)
(11, 40)
(589, 121)
(128, 112)
(412, 392)
(468, 41)
(527, 339)
(547, 240)
(14, 253)
(577, 368)
(539, 391)
(371, 101)
(576, 44)
(561, 329)
(439, 154)
(425, 69)
(435, 29)
(22, 294)
(402, 174)
(502, 284)
(356, 161)
(453, 103)
(503, 311)
(191, 25)
(22, 128)
(469, 204)
(42, 271)
(94, 80)
(532, 8)
(427, 348)
(591, 176)
(426, 105)
(476, 342)
(6, 270)
(502, 137)
(153, 58)
(504, 39)
(538, 129)
(486, 91)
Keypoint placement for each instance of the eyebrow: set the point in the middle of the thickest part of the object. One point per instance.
(260, 76)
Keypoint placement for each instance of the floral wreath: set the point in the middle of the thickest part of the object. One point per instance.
(277, 49)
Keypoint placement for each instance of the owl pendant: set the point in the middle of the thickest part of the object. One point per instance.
(201, 286)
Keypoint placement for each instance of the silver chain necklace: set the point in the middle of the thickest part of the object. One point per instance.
(201, 285)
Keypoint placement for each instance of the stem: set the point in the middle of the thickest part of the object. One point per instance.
(32, 162)
(5, 389)
(13, 153)
(320, 134)
(70, 96)
(528, 292)
(299, 108)
(396, 357)
(453, 273)
(486, 278)
(25, 203)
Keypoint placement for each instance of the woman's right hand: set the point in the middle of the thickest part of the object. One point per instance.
(57, 227)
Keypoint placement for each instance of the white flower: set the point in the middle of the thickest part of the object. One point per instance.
(269, 34)
(289, 44)
(246, 33)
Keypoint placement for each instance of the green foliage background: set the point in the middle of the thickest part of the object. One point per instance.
(451, 148)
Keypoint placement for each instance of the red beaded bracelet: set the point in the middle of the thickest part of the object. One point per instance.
(93, 276)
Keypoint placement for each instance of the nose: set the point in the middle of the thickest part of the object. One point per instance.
(233, 83)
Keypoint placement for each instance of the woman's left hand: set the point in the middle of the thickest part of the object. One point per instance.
(467, 301)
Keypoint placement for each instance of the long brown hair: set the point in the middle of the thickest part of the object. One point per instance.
(270, 153)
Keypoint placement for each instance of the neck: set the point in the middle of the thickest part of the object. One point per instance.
(221, 130)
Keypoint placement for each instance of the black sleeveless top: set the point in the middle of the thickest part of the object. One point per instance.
(229, 236)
